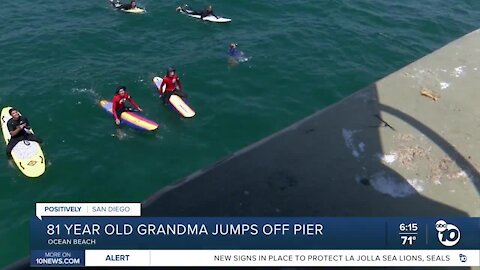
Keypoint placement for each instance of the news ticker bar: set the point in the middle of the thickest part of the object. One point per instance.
(261, 258)
(251, 233)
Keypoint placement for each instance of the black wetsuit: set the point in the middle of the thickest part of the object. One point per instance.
(127, 6)
(123, 6)
(203, 13)
(12, 125)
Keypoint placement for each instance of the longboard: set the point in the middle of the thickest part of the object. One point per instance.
(177, 103)
(27, 155)
(132, 119)
(134, 10)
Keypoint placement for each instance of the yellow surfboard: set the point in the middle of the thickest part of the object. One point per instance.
(134, 10)
(176, 102)
(27, 155)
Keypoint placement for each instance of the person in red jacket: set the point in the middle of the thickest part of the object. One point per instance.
(173, 85)
(118, 103)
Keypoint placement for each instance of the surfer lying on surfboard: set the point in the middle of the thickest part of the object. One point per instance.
(118, 103)
(173, 85)
(204, 13)
(19, 129)
(117, 4)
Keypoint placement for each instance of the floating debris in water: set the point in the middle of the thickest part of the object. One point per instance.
(429, 93)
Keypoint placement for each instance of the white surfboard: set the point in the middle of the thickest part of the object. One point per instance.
(207, 18)
(177, 103)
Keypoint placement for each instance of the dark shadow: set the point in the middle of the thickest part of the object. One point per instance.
(305, 170)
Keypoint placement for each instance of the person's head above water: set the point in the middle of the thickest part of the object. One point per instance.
(170, 71)
(133, 3)
(14, 113)
(233, 45)
(121, 90)
(209, 8)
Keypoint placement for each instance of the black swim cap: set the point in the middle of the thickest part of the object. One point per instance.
(170, 69)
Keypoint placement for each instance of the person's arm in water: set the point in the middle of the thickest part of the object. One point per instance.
(180, 88)
(114, 110)
(161, 88)
(115, 4)
(129, 98)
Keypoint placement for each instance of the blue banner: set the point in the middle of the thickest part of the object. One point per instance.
(76, 233)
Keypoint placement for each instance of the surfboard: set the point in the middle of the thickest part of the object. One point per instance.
(132, 119)
(177, 103)
(134, 10)
(207, 18)
(27, 155)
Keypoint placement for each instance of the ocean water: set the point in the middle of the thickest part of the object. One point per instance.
(58, 60)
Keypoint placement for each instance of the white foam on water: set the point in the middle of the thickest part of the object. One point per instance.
(361, 146)
(86, 91)
(83, 90)
(244, 59)
(444, 85)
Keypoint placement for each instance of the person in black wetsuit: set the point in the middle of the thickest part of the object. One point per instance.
(204, 13)
(19, 129)
(117, 4)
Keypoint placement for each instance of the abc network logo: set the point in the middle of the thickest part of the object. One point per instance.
(448, 234)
